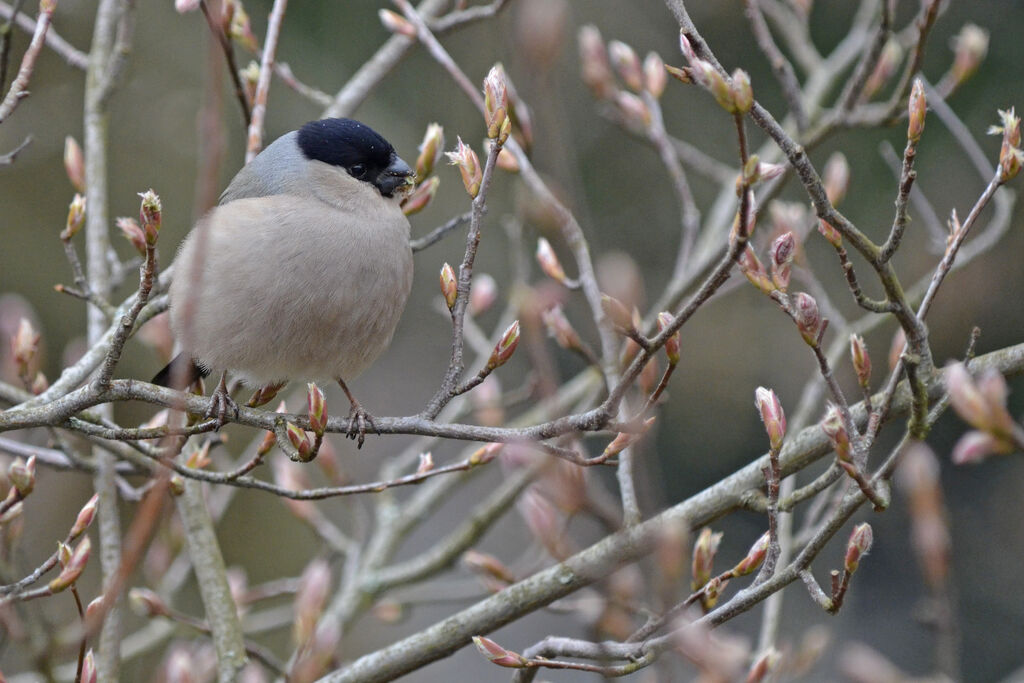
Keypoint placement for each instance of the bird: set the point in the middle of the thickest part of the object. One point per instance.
(301, 271)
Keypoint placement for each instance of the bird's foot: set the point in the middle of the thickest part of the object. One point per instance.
(358, 418)
(221, 403)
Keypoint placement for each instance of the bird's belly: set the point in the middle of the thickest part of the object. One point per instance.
(319, 313)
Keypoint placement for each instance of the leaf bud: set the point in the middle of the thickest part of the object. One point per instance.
(469, 166)
(449, 285)
(74, 164)
(505, 347)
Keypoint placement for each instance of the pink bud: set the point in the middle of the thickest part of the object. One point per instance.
(76, 218)
(626, 62)
(146, 603)
(483, 294)
(704, 551)
(560, 328)
(672, 344)
(970, 47)
(861, 359)
(837, 435)
(974, 447)
(497, 654)
(617, 313)
(781, 253)
(505, 347)
(765, 666)
(623, 440)
(482, 563)
(430, 150)
(299, 440)
(74, 568)
(421, 196)
(888, 61)
(449, 286)
(150, 216)
(199, 458)
(1010, 155)
(469, 166)
(917, 108)
(858, 546)
(317, 408)
(754, 271)
(396, 23)
(655, 76)
(269, 439)
(808, 319)
(485, 454)
(495, 102)
(25, 347)
(131, 231)
(772, 416)
(549, 262)
(633, 109)
(833, 236)
(426, 463)
(836, 177)
(89, 672)
(22, 475)
(742, 93)
(754, 558)
(314, 587)
(596, 71)
(85, 517)
(74, 164)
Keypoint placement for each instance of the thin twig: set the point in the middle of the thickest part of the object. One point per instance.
(254, 140)
(19, 87)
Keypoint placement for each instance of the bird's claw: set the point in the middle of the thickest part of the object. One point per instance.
(221, 404)
(357, 421)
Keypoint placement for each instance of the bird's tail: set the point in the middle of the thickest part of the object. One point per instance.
(179, 373)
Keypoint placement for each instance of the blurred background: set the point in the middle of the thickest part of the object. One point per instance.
(623, 198)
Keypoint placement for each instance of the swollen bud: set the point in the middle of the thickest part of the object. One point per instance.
(22, 475)
(24, 347)
(131, 231)
(617, 313)
(469, 166)
(317, 408)
(836, 177)
(626, 62)
(837, 435)
(76, 218)
(596, 71)
(85, 516)
(742, 93)
(74, 164)
(449, 286)
(861, 359)
(772, 415)
(655, 76)
(672, 344)
(781, 253)
(917, 107)
(299, 440)
(808, 318)
(560, 328)
(549, 262)
(421, 196)
(970, 47)
(859, 544)
(499, 655)
(755, 556)
(73, 568)
(505, 347)
(396, 23)
(430, 151)
(754, 271)
(1010, 155)
(496, 103)
(704, 551)
(150, 214)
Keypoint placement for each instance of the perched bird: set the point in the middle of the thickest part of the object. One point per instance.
(301, 271)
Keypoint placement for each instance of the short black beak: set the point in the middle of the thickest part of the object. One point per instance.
(396, 175)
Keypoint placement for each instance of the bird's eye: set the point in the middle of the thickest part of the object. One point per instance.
(358, 170)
